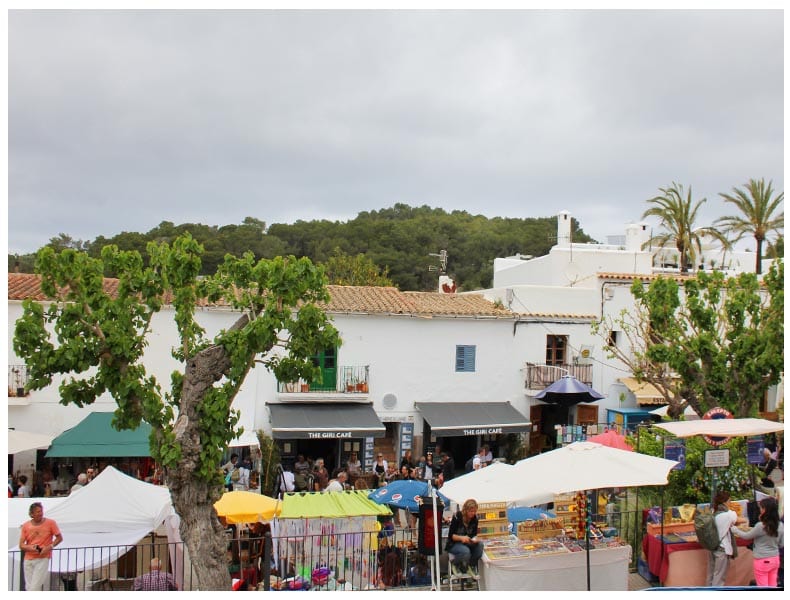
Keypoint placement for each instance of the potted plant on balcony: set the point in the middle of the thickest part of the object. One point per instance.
(305, 387)
(20, 388)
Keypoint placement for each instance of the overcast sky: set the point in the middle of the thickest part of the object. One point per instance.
(119, 120)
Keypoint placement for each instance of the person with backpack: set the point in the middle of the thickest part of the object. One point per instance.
(718, 559)
(768, 537)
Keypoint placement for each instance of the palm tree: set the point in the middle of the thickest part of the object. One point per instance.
(677, 214)
(757, 217)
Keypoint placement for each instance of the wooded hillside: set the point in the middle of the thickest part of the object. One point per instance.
(398, 240)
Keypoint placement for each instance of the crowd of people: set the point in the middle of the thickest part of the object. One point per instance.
(62, 480)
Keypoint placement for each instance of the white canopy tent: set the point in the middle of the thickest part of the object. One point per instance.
(111, 514)
(19, 441)
(721, 427)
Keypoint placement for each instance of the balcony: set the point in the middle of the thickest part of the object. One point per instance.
(346, 381)
(17, 381)
(539, 377)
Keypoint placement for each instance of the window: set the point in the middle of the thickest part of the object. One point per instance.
(556, 346)
(465, 359)
(612, 338)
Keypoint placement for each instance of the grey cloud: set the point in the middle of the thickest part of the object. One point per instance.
(121, 119)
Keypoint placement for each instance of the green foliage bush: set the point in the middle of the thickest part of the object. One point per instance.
(694, 484)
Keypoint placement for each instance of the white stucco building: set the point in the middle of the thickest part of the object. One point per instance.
(416, 369)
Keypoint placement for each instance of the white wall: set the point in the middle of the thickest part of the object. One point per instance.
(412, 358)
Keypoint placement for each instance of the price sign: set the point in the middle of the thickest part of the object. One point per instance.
(717, 458)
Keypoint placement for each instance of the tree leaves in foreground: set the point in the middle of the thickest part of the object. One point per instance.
(717, 342)
(96, 339)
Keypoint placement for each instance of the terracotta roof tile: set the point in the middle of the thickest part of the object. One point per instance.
(644, 276)
(26, 285)
(344, 299)
(569, 316)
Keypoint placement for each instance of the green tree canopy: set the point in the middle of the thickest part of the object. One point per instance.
(721, 338)
(96, 340)
(342, 269)
(399, 241)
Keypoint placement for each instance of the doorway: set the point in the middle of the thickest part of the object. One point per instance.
(551, 415)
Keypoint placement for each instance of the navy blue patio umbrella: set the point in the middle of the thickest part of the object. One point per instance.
(568, 391)
(403, 493)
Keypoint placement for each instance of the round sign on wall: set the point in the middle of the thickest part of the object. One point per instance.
(716, 413)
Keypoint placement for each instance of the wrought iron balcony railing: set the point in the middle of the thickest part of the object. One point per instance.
(343, 380)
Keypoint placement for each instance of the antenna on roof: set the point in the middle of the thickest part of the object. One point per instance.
(442, 261)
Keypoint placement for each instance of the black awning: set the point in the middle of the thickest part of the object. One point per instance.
(472, 418)
(324, 420)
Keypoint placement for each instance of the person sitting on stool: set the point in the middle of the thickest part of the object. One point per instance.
(462, 540)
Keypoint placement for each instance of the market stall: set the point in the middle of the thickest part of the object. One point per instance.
(325, 539)
(673, 556)
(510, 564)
(100, 523)
(685, 564)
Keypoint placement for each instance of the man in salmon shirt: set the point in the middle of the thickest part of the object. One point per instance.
(39, 536)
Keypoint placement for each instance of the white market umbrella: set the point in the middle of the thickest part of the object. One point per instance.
(721, 427)
(19, 441)
(587, 466)
(489, 484)
(688, 412)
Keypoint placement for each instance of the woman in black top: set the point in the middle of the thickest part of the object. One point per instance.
(462, 539)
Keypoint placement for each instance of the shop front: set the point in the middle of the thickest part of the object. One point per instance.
(326, 430)
(460, 428)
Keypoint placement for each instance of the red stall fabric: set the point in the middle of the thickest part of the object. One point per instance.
(657, 553)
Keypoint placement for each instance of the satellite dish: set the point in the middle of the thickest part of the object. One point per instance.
(389, 401)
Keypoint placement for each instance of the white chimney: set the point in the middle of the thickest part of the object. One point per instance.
(636, 234)
(446, 285)
(564, 229)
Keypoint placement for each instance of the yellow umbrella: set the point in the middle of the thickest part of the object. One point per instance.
(247, 507)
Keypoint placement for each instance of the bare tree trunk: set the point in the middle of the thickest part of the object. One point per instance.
(193, 498)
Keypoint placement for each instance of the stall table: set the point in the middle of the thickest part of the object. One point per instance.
(685, 564)
(608, 571)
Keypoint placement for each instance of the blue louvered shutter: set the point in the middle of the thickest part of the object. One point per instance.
(465, 359)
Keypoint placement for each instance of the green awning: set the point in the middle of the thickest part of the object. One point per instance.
(314, 505)
(94, 437)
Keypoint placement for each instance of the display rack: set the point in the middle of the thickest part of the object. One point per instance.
(492, 519)
(566, 510)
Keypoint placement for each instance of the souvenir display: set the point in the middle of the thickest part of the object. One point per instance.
(512, 547)
(492, 519)
(541, 528)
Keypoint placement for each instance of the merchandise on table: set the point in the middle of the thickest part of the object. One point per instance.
(542, 528)
(512, 547)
